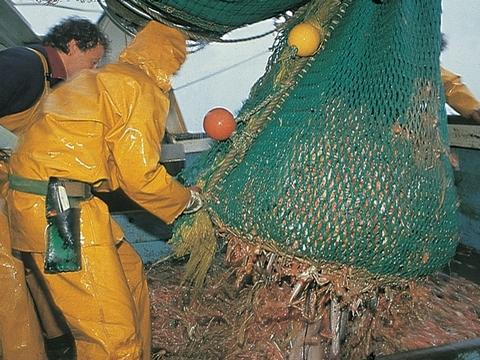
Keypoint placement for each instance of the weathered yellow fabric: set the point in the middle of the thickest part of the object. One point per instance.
(108, 309)
(458, 96)
(158, 57)
(103, 127)
(20, 332)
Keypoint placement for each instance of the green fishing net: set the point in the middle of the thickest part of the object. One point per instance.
(342, 157)
(200, 18)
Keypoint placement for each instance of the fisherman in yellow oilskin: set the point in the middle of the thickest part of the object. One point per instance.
(28, 74)
(101, 130)
(457, 95)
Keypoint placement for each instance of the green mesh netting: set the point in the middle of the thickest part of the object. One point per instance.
(199, 18)
(222, 15)
(342, 157)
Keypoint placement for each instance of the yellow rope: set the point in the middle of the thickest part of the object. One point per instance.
(198, 240)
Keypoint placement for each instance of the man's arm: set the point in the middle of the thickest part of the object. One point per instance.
(459, 97)
(134, 141)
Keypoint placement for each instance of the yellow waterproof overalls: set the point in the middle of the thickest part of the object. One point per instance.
(20, 333)
(103, 128)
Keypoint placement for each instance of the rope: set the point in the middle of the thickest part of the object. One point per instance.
(289, 71)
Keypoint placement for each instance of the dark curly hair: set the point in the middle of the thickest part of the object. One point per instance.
(86, 34)
(443, 42)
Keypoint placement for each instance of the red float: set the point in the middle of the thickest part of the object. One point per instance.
(219, 123)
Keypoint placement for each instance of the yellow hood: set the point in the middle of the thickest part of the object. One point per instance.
(157, 50)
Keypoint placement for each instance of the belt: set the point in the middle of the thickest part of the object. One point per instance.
(74, 188)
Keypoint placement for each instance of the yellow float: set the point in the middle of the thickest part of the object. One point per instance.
(306, 38)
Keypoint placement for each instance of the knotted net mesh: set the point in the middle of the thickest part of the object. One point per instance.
(200, 19)
(218, 16)
(343, 157)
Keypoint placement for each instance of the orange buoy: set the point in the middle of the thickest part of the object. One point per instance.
(306, 38)
(219, 123)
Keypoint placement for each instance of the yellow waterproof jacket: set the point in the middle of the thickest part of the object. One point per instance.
(457, 95)
(104, 127)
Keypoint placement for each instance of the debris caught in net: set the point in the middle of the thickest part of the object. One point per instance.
(258, 319)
